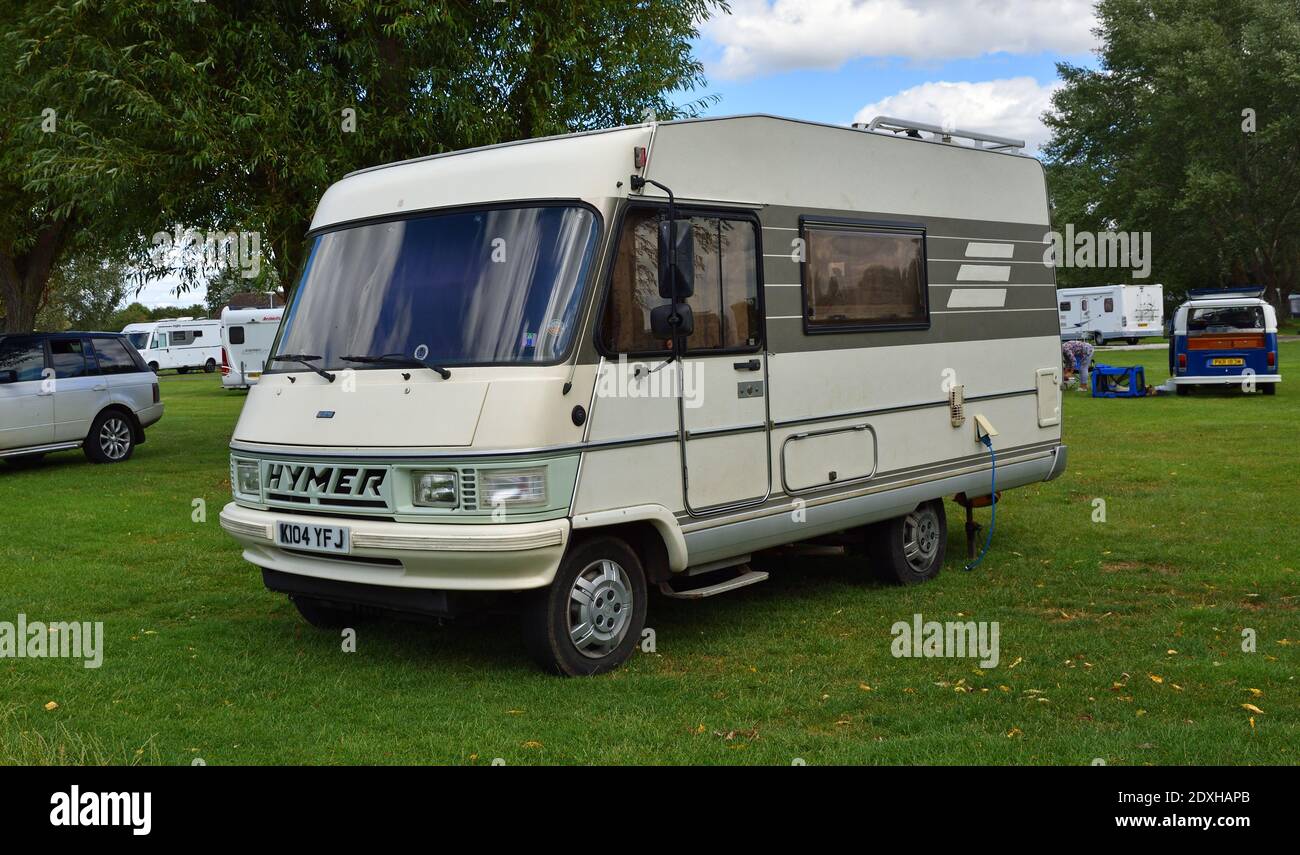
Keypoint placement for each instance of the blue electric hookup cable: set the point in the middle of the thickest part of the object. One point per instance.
(993, 499)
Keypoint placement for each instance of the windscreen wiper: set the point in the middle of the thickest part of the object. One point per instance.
(400, 359)
(306, 359)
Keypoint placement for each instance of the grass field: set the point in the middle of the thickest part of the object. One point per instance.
(1120, 640)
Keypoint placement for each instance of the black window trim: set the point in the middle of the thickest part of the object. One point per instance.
(693, 209)
(887, 226)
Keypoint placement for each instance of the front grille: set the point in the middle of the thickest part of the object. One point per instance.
(342, 486)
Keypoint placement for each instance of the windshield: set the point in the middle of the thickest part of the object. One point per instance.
(1226, 319)
(465, 288)
(138, 339)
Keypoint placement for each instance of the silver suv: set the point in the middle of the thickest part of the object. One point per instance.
(74, 389)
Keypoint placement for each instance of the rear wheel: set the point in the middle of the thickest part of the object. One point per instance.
(910, 549)
(1134, 340)
(182, 371)
(325, 615)
(209, 366)
(1182, 389)
(589, 620)
(1269, 388)
(111, 438)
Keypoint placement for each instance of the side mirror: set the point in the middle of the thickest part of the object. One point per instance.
(676, 259)
(672, 321)
(8, 376)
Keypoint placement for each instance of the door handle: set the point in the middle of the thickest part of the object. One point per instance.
(751, 365)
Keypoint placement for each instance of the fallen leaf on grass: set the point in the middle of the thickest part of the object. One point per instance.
(1252, 708)
(1155, 678)
(51, 706)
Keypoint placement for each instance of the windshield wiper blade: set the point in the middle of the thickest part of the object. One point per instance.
(306, 359)
(400, 359)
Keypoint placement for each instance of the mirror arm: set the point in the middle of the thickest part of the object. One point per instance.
(638, 183)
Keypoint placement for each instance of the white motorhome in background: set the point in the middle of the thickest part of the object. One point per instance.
(646, 392)
(246, 339)
(180, 343)
(1102, 313)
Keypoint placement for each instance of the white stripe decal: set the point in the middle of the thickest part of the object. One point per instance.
(977, 298)
(984, 273)
(990, 250)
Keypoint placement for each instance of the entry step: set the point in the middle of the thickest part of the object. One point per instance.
(741, 580)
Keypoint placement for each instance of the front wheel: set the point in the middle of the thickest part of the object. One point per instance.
(111, 438)
(153, 366)
(324, 615)
(589, 620)
(910, 549)
(1183, 390)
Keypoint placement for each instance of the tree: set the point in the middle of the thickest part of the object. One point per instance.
(1188, 129)
(236, 116)
(84, 294)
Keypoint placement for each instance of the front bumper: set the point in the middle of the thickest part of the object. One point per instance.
(464, 557)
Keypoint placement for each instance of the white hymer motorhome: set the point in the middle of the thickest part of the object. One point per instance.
(180, 343)
(246, 339)
(1102, 313)
(577, 367)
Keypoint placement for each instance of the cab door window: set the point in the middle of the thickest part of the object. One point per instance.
(725, 303)
(21, 360)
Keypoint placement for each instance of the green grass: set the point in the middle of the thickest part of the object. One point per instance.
(1119, 640)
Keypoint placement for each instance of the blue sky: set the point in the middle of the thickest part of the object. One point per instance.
(984, 65)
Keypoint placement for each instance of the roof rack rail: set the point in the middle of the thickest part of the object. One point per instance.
(988, 142)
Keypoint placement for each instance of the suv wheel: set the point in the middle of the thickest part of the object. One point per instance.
(589, 620)
(111, 438)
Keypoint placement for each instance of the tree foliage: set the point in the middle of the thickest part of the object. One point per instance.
(235, 116)
(1159, 138)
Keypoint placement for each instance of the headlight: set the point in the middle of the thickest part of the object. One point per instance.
(248, 478)
(512, 486)
(433, 489)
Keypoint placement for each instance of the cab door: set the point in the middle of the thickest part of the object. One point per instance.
(26, 394)
(723, 405)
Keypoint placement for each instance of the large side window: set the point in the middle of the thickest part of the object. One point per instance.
(863, 277)
(725, 303)
(21, 359)
(236, 335)
(69, 358)
(113, 357)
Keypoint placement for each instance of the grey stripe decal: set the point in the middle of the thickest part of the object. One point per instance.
(902, 408)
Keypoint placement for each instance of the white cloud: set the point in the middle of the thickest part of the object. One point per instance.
(762, 37)
(1009, 108)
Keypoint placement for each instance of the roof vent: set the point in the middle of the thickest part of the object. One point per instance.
(913, 130)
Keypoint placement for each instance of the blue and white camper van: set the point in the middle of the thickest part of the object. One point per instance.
(1224, 337)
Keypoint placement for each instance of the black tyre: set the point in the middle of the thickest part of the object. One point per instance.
(326, 615)
(182, 371)
(910, 549)
(1183, 390)
(1134, 340)
(209, 366)
(111, 438)
(590, 618)
(153, 366)
(1268, 388)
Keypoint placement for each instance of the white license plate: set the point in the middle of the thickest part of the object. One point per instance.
(312, 537)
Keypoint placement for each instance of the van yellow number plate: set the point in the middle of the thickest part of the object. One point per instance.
(1227, 362)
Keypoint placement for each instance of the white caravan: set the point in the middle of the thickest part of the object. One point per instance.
(246, 339)
(180, 343)
(1101, 313)
(480, 385)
